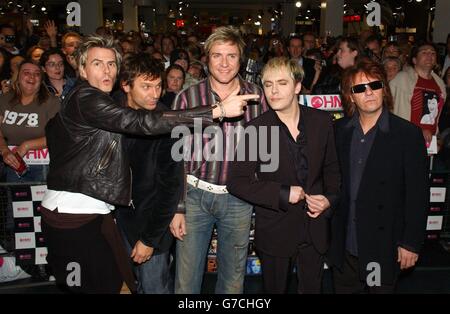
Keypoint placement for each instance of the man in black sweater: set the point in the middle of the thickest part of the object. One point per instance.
(157, 181)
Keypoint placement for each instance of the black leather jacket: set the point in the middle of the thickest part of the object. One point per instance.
(85, 142)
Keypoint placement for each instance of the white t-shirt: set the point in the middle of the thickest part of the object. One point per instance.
(75, 203)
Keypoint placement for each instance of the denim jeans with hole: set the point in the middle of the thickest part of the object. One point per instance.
(232, 218)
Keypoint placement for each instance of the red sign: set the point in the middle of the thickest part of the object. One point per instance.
(180, 23)
(352, 18)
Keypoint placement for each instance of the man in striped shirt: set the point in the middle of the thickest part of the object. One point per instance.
(207, 201)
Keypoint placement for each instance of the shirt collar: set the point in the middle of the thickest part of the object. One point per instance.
(382, 122)
(300, 126)
(243, 87)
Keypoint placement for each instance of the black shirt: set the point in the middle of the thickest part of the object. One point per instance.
(296, 148)
(361, 145)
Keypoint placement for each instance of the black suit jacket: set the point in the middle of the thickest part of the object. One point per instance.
(392, 197)
(278, 222)
(310, 72)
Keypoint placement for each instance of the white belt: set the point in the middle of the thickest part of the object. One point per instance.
(206, 186)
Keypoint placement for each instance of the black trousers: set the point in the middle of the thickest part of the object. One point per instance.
(276, 271)
(88, 248)
(348, 281)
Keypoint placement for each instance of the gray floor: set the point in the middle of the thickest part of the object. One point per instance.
(431, 276)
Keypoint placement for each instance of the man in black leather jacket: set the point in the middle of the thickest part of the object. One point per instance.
(89, 173)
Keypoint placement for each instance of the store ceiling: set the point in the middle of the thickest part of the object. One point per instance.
(217, 3)
(208, 2)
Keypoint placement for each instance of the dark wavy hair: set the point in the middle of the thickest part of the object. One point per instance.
(175, 67)
(52, 51)
(137, 64)
(352, 43)
(371, 69)
(417, 48)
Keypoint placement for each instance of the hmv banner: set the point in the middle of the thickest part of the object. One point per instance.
(322, 102)
(29, 241)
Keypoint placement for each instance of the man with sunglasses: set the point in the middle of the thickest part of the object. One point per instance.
(8, 39)
(378, 228)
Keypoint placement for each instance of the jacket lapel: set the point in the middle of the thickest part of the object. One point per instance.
(310, 140)
(346, 135)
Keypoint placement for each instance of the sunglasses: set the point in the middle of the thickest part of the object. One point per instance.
(361, 88)
(10, 38)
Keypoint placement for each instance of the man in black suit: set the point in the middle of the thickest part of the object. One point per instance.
(379, 225)
(294, 200)
(296, 49)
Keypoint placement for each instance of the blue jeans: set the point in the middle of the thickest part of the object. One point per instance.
(153, 276)
(35, 173)
(232, 217)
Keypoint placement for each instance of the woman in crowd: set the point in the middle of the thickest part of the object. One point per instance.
(348, 52)
(181, 57)
(24, 112)
(392, 65)
(35, 53)
(175, 77)
(52, 63)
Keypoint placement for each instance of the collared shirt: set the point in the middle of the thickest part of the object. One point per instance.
(359, 151)
(296, 149)
(213, 168)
